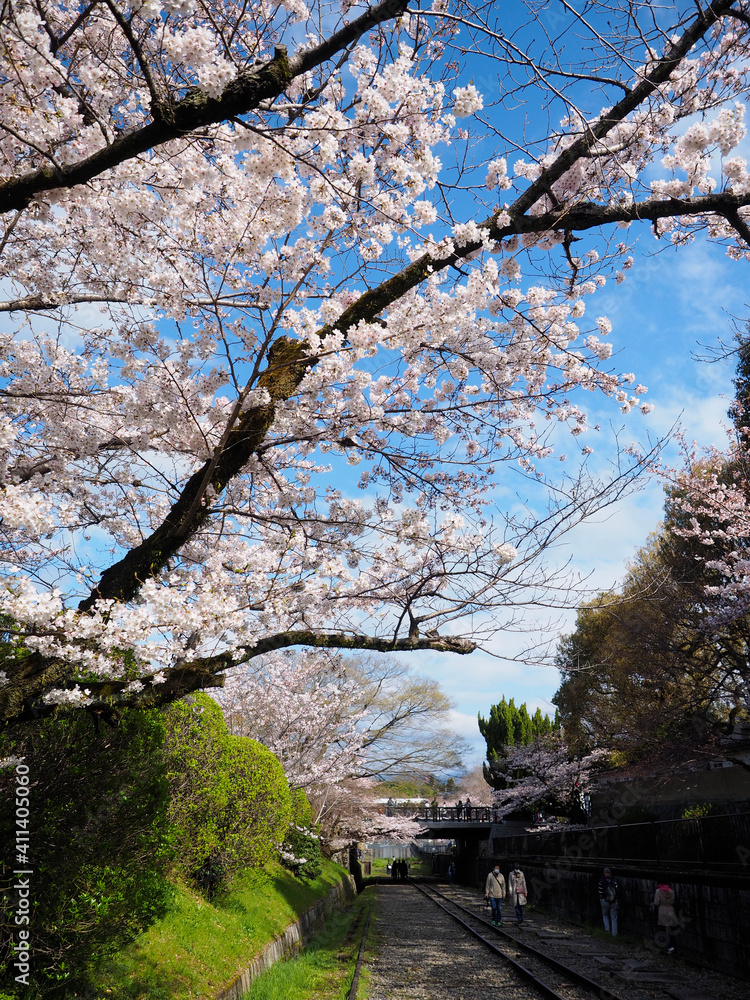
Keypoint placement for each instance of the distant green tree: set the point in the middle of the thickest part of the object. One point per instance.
(508, 726)
(643, 674)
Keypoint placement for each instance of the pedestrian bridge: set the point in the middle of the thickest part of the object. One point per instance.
(450, 823)
(453, 814)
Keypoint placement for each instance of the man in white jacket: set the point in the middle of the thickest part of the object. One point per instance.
(517, 891)
(494, 890)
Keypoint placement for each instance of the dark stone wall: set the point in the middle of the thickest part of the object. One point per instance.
(714, 909)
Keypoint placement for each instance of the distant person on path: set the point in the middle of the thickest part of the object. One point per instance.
(494, 891)
(434, 807)
(451, 873)
(517, 891)
(459, 810)
(609, 893)
(667, 920)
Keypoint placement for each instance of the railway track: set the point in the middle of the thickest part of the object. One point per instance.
(548, 977)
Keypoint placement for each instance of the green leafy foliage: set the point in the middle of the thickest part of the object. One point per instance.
(301, 852)
(195, 756)
(508, 726)
(700, 810)
(259, 806)
(116, 811)
(200, 946)
(230, 804)
(642, 674)
(301, 808)
(101, 847)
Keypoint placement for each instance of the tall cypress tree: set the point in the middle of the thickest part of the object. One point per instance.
(508, 726)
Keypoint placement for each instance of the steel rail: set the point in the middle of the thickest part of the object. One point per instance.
(573, 975)
(547, 991)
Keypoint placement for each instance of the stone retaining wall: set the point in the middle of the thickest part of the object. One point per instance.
(293, 938)
(714, 908)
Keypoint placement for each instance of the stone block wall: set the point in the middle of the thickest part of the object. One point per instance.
(714, 909)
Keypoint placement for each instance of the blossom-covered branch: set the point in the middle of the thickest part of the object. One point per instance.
(236, 270)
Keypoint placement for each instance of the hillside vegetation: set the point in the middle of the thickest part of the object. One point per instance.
(201, 946)
(157, 853)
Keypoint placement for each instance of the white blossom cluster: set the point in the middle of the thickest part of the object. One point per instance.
(543, 770)
(710, 490)
(440, 343)
(300, 711)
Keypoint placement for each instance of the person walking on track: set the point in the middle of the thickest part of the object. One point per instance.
(494, 891)
(517, 891)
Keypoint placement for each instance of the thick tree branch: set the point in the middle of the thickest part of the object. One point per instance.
(34, 303)
(339, 640)
(589, 215)
(735, 220)
(19, 700)
(43, 303)
(650, 83)
(288, 363)
(196, 110)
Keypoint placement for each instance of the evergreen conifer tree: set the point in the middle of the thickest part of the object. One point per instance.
(506, 727)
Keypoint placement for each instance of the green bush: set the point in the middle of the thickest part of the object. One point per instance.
(115, 812)
(230, 803)
(195, 754)
(259, 807)
(698, 811)
(100, 843)
(301, 808)
(301, 852)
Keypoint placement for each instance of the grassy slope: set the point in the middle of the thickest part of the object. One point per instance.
(325, 969)
(200, 947)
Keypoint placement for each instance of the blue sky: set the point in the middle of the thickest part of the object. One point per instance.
(672, 307)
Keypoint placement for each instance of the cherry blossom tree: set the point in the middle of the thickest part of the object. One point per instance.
(708, 524)
(301, 711)
(342, 722)
(348, 812)
(546, 774)
(246, 248)
(474, 785)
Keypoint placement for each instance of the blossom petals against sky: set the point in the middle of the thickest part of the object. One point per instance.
(675, 308)
(413, 279)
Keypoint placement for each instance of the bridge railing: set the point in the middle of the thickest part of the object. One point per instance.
(454, 814)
